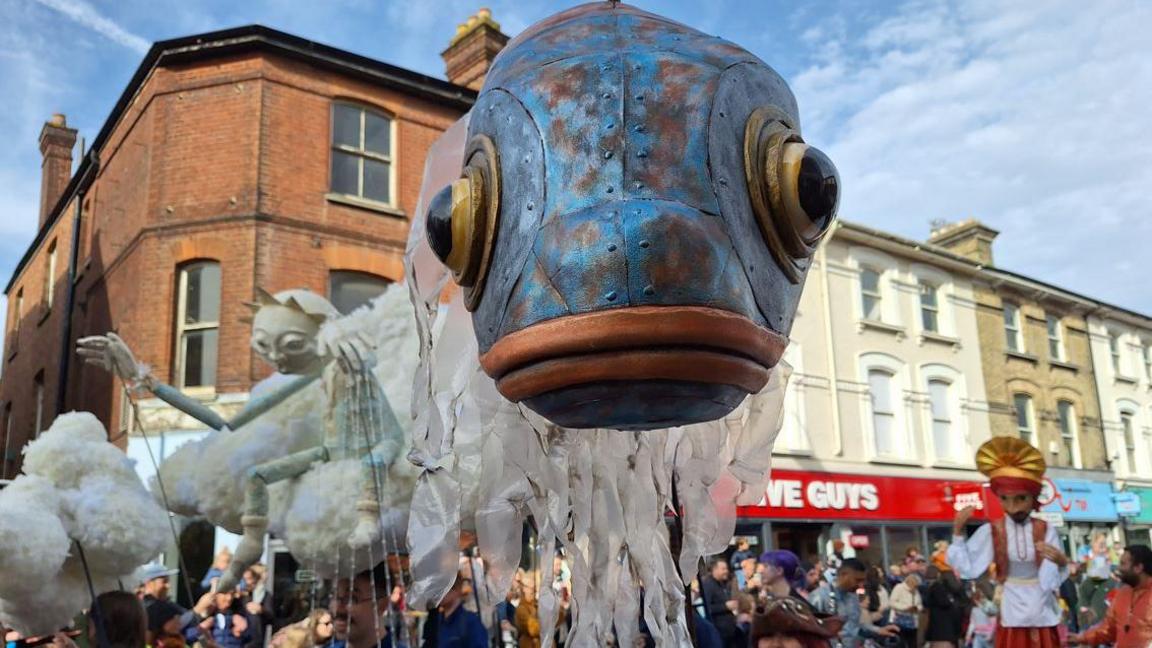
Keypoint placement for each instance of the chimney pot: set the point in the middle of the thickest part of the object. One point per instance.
(473, 48)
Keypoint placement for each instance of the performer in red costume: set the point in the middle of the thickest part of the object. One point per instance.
(1023, 548)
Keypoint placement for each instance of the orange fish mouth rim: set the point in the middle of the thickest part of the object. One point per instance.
(675, 343)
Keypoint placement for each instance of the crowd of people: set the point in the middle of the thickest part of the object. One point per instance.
(739, 601)
(918, 602)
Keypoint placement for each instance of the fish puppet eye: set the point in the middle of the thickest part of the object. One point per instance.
(462, 217)
(794, 188)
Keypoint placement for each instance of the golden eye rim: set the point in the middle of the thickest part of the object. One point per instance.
(482, 171)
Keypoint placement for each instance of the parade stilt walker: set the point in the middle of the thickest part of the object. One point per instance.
(1023, 548)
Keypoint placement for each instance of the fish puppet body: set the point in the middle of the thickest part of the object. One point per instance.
(634, 220)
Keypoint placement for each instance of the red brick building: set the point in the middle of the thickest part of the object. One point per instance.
(234, 159)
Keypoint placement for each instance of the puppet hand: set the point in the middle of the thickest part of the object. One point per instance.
(961, 519)
(1051, 553)
(110, 353)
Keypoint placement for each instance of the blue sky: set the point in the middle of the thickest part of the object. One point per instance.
(1033, 117)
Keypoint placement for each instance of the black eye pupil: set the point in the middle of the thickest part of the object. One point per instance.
(439, 223)
(819, 187)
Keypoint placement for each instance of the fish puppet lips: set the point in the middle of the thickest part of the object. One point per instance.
(634, 220)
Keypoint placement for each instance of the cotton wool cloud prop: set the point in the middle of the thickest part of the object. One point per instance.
(315, 513)
(488, 463)
(76, 487)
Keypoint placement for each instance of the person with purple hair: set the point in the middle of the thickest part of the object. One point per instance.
(783, 617)
(781, 573)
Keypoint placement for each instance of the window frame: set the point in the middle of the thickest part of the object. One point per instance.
(1055, 337)
(362, 153)
(9, 418)
(1013, 331)
(1128, 437)
(949, 420)
(1114, 351)
(877, 294)
(933, 309)
(19, 311)
(793, 437)
(1147, 350)
(1069, 431)
(873, 413)
(38, 388)
(333, 274)
(50, 275)
(182, 328)
(1027, 432)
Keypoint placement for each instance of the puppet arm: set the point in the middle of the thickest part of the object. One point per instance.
(970, 557)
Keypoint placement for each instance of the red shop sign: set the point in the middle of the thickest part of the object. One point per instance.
(837, 496)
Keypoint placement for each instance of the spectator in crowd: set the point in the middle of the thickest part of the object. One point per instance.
(456, 626)
(319, 627)
(229, 627)
(219, 564)
(1092, 597)
(155, 583)
(857, 628)
(982, 621)
(895, 576)
(164, 629)
(1128, 622)
(836, 558)
(718, 604)
(907, 605)
(818, 591)
(527, 621)
(119, 617)
(1069, 595)
(876, 603)
(366, 625)
(746, 575)
(506, 613)
(743, 552)
(946, 603)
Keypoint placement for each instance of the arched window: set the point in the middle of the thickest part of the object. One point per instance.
(348, 290)
(1066, 412)
(1025, 417)
(197, 324)
(361, 153)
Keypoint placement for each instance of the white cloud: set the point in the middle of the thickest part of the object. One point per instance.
(87, 15)
(1029, 116)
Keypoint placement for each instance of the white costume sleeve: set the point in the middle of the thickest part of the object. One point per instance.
(970, 557)
(1052, 575)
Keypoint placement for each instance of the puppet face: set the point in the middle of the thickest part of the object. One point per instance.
(286, 339)
(1018, 505)
(634, 221)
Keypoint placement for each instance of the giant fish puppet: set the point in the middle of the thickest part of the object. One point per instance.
(634, 220)
(628, 214)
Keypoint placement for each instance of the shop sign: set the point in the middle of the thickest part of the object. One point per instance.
(1127, 504)
(795, 494)
(858, 541)
(1145, 495)
(1053, 519)
(1079, 500)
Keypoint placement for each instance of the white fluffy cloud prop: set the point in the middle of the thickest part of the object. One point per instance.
(76, 487)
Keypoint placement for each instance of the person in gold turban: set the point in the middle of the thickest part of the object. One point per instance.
(1024, 550)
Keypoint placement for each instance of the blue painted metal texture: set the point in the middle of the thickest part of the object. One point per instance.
(621, 141)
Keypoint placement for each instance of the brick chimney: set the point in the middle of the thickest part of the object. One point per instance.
(969, 238)
(56, 142)
(472, 50)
